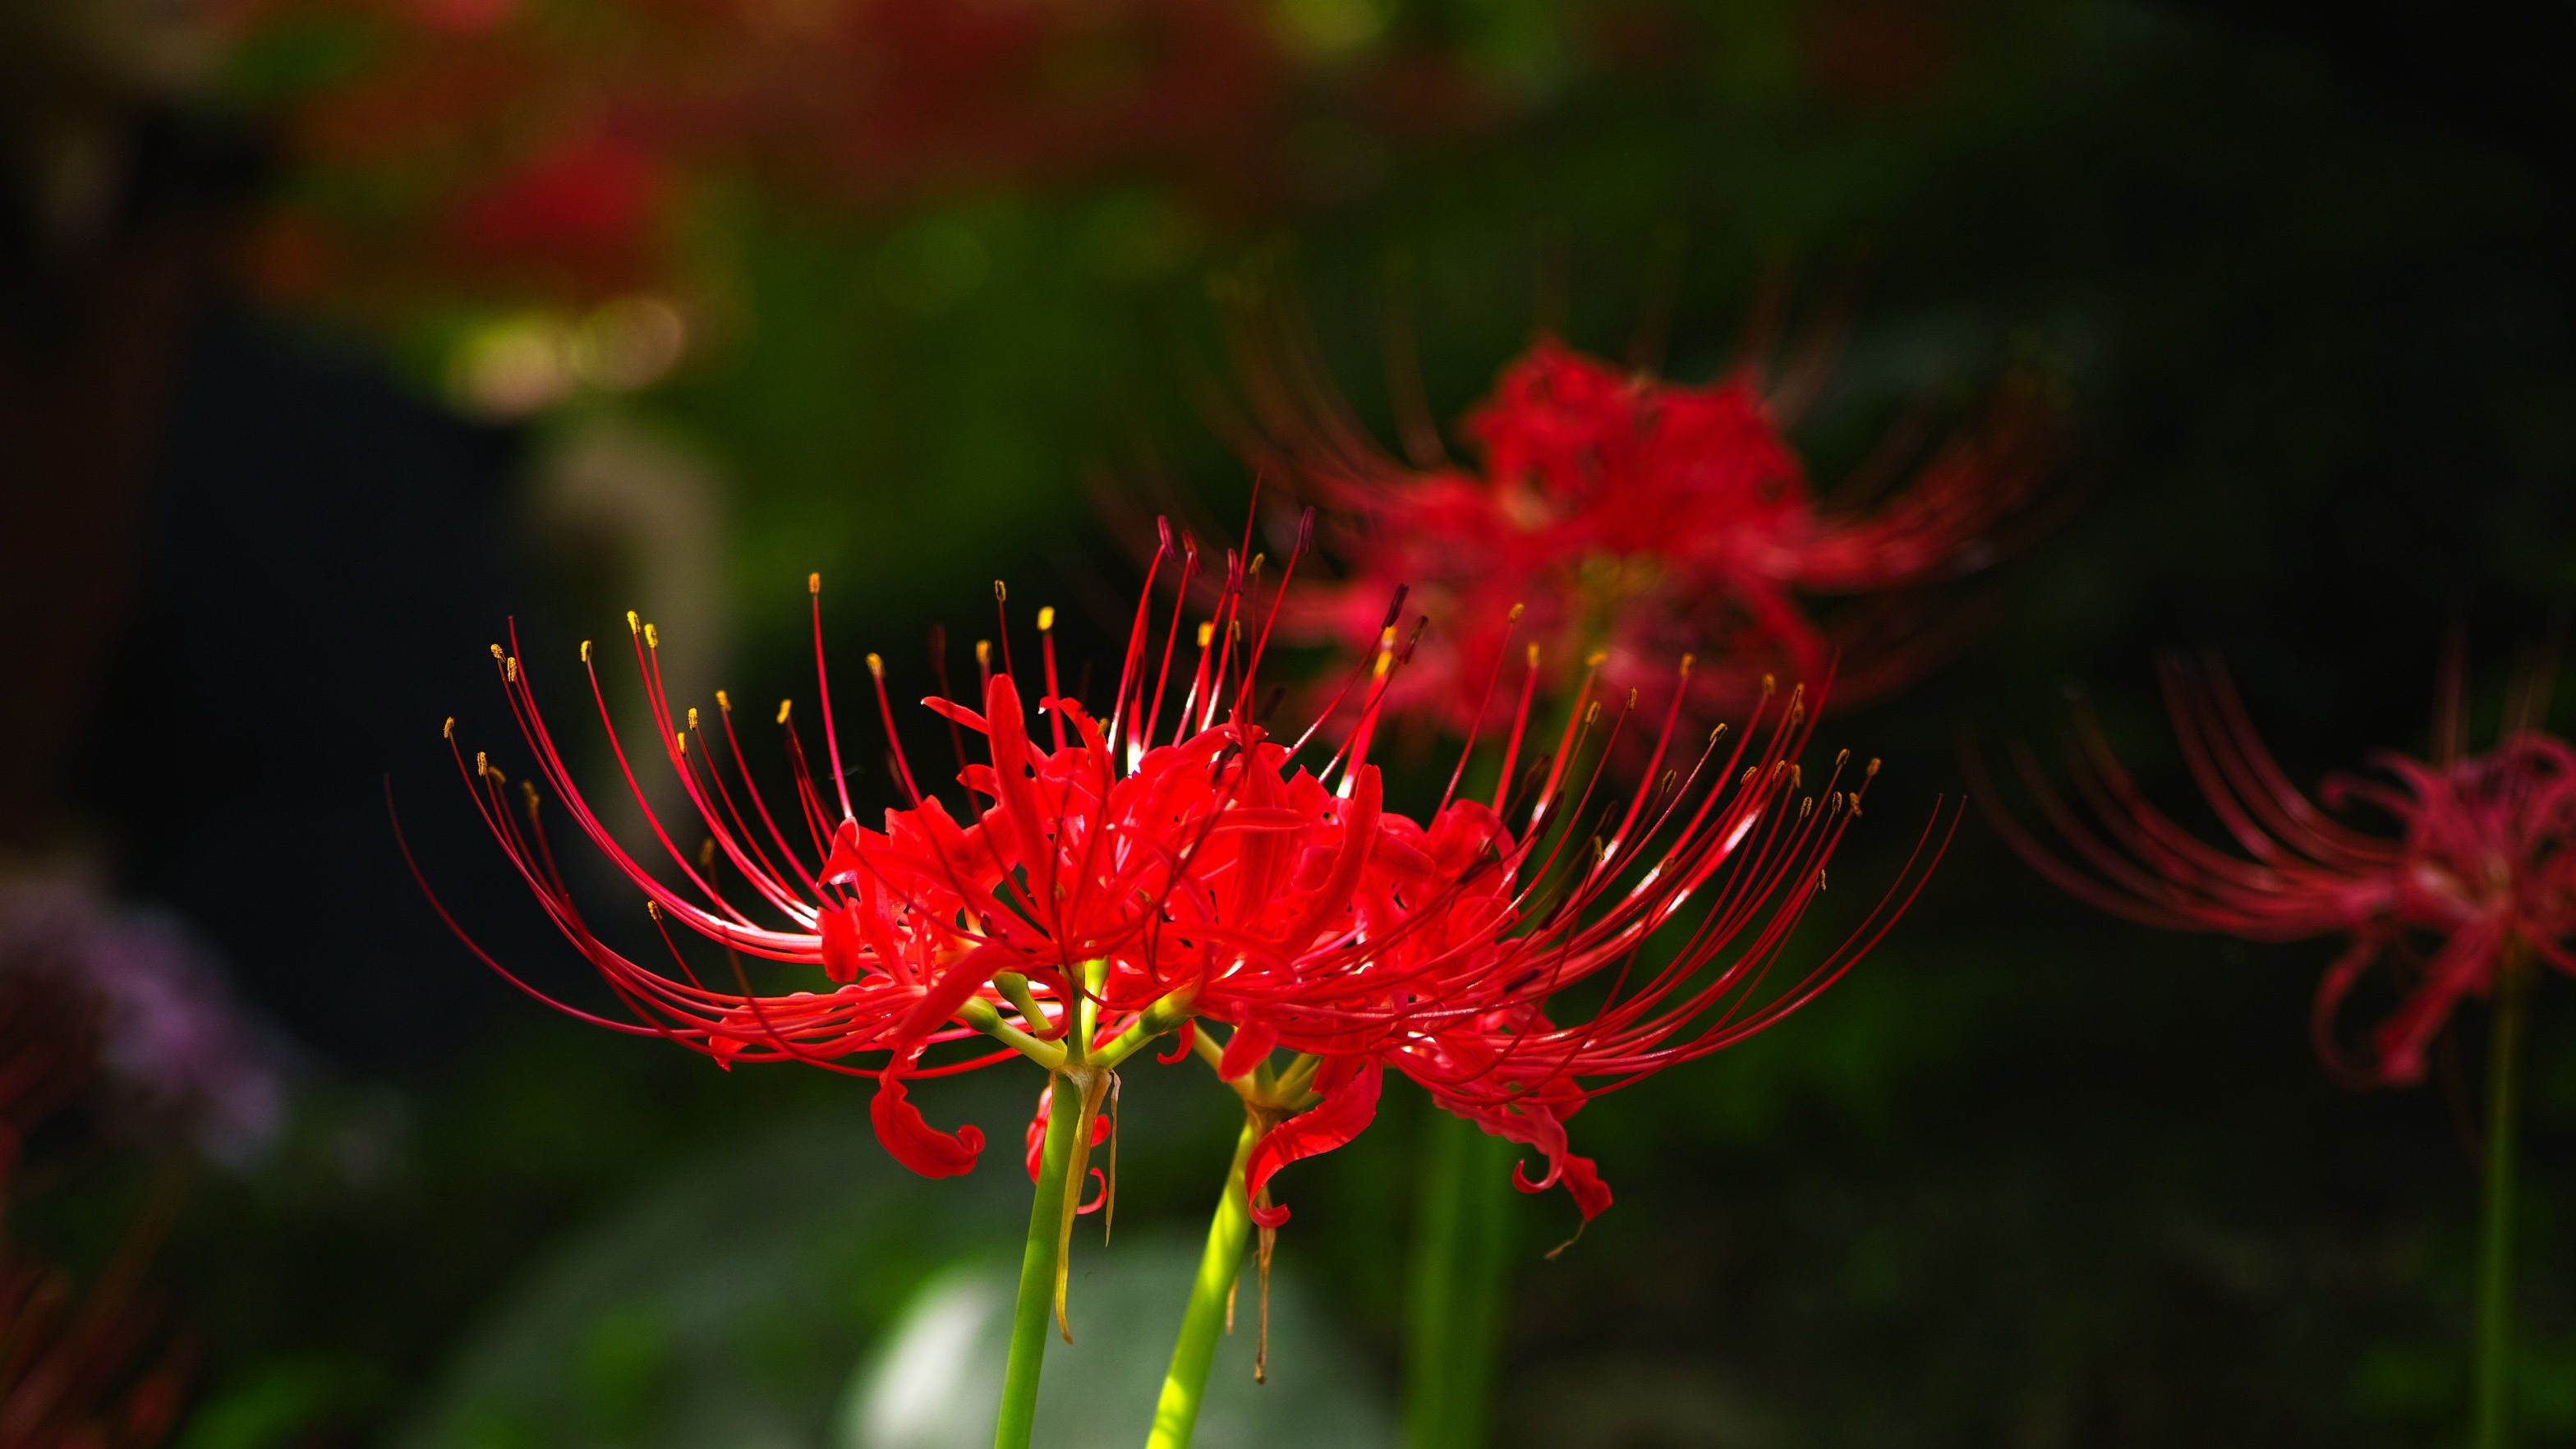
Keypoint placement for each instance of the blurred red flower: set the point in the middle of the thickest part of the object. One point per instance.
(2478, 863)
(547, 150)
(1637, 520)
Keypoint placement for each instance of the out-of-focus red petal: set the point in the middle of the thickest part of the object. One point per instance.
(1583, 1180)
(2466, 964)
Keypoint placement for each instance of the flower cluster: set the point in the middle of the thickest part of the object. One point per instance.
(1636, 520)
(2477, 869)
(1171, 865)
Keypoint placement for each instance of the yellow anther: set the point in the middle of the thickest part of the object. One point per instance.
(1207, 631)
(1591, 714)
(1046, 618)
(652, 640)
(783, 706)
(1872, 772)
(1593, 660)
(585, 651)
(723, 703)
(528, 788)
(876, 665)
(1385, 664)
(680, 741)
(1769, 684)
(1514, 616)
(447, 731)
(1632, 698)
(1533, 656)
(1001, 592)
(653, 909)
(1713, 734)
(1841, 756)
(1805, 805)
(1686, 664)
(496, 651)
(1254, 572)
(984, 652)
(1797, 778)
(693, 716)
(707, 852)
(633, 624)
(482, 763)
(813, 583)
(510, 669)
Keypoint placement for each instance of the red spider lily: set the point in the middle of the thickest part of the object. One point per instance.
(1559, 919)
(1636, 520)
(1216, 877)
(895, 968)
(1141, 872)
(2478, 864)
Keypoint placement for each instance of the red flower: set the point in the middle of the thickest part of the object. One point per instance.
(1635, 519)
(1216, 878)
(894, 968)
(1167, 865)
(2477, 865)
(589, 206)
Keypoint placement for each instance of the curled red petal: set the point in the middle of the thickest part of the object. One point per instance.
(1037, 1149)
(1349, 1088)
(1182, 1041)
(1249, 1047)
(914, 1142)
(1037, 1135)
(1583, 1181)
(1580, 1179)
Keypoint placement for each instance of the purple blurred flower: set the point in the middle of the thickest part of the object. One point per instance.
(173, 1037)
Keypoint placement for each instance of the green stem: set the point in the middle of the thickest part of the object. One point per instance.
(1176, 1414)
(2492, 1378)
(1038, 1268)
(1461, 1258)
